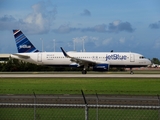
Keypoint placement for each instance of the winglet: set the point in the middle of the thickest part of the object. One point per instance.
(65, 54)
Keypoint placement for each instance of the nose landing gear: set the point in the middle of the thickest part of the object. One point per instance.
(131, 71)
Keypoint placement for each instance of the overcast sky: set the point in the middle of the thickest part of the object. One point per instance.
(104, 25)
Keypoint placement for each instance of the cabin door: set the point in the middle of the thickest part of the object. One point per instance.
(39, 57)
(132, 58)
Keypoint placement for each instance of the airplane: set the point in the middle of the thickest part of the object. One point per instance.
(98, 61)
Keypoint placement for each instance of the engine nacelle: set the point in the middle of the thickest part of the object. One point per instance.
(101, 67)
(74, 65)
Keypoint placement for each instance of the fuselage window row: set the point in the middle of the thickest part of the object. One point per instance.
(77, 57)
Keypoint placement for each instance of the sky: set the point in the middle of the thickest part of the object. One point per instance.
(99, 25)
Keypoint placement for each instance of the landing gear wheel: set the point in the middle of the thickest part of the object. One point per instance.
(131, 72)
(84, 72)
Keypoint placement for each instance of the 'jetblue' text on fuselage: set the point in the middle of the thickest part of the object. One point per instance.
(116, 57)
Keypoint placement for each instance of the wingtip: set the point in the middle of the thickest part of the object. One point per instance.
(62, 49)
(65, 54)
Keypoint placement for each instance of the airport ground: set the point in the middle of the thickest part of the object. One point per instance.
(138, 72)
(73, 75)
(67, 98)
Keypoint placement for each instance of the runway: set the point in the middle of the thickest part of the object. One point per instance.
(39, 75)
(78, 99)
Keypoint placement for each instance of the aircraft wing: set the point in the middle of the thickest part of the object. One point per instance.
(81, 61)
(22, 56)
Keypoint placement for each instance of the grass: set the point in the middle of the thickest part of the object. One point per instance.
(77, 114)
(133, 86)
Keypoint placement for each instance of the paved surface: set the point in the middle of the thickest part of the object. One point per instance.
(80, 75)
(78, 99)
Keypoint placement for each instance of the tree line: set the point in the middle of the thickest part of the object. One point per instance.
(14, 65)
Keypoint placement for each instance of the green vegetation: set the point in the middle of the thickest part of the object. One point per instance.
(77, 114)
(155, 61)
(133, 86)
(14, 65)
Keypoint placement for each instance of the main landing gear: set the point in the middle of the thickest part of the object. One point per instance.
(84, 71)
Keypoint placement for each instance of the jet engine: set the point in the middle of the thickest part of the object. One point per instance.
(101, 67)
(74, 65)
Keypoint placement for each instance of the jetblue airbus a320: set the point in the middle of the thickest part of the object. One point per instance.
(99, 61)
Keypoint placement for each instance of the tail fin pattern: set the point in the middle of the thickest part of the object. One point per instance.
(22, 42)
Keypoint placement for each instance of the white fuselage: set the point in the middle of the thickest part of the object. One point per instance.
(126, 59)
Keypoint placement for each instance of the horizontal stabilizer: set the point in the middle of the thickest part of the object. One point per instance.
(22, 56)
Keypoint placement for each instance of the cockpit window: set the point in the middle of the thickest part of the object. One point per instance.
(142, 57)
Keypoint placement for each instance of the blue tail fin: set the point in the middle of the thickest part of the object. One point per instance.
(22, 42)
